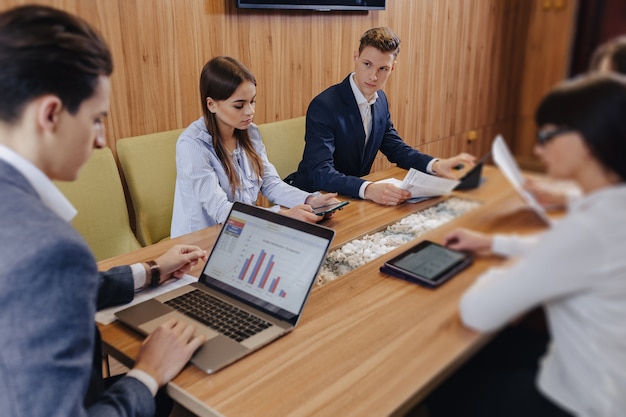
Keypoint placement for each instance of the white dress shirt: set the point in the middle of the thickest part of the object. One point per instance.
(365, 106)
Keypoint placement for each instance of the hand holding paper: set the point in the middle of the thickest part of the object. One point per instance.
(506, 162)
(423, 185)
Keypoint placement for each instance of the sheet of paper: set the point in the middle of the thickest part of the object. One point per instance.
(398, 183)
(506, 162)
(423, 185)
(107, 315)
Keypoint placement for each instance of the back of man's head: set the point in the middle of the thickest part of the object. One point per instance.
(48, 51)
(381, 38)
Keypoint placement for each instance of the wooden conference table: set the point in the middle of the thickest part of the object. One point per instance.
(367, 344)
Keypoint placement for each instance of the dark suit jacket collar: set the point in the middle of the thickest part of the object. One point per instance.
(378, 117)
(346, 94)
(354, 114)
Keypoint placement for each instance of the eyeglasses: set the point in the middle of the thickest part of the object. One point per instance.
(545, 136)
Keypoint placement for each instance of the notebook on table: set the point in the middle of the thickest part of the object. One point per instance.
(252, 289)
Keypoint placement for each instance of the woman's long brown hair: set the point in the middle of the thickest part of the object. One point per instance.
(220, 77)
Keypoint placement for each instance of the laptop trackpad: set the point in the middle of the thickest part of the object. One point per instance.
(217, 353)
(149, 326)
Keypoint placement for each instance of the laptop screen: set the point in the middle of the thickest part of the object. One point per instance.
(267, 260)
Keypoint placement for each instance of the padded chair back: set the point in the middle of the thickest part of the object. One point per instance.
(149, 166)
(284, 141)
(102, 217)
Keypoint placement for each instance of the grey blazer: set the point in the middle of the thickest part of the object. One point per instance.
(49, 290)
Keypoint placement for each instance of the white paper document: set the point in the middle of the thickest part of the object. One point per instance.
(506, 162)
(423, 185)
(107, 315)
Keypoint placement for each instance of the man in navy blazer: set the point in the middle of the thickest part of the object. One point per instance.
(54, 93)
(348, 123)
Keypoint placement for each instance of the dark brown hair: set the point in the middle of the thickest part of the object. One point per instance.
(219, 79)
(48, 51)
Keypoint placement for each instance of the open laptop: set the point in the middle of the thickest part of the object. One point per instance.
(257, 280)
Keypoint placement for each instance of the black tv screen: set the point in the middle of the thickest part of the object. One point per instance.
(320, 5)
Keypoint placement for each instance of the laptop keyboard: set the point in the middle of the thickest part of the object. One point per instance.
(218, 315)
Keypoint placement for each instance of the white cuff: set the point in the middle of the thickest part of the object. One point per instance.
(513, 245)
(139, 275)
(572, 194)
(362, 189)
(145, 378)
(312, 195)
(429, 167)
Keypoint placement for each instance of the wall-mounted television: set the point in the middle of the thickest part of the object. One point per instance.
(319, 5)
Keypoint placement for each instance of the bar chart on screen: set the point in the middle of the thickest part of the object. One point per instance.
(252, 276)
(269, 269)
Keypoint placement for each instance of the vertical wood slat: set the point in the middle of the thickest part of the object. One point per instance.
(464, 65)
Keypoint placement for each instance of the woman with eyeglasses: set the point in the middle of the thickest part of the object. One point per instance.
(608, 57)
(576, 272)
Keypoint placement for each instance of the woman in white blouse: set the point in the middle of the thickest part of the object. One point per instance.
(576, 271)
(220, 158)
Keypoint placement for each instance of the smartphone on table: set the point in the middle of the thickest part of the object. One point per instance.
(329, 208)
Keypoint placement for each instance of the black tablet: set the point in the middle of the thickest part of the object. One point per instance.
(473, 177)
(427, 263)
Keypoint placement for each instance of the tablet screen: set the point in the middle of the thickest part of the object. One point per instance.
(430, 261)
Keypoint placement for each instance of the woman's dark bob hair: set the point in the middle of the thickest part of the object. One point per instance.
(595, 107)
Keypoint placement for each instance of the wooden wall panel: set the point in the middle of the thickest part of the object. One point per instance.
(546, 61)
(464, 65)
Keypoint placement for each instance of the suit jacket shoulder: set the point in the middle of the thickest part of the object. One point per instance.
(48, 291)
(334, 138)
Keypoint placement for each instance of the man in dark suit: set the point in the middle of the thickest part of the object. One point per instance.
(348, 123)
(54, 93)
